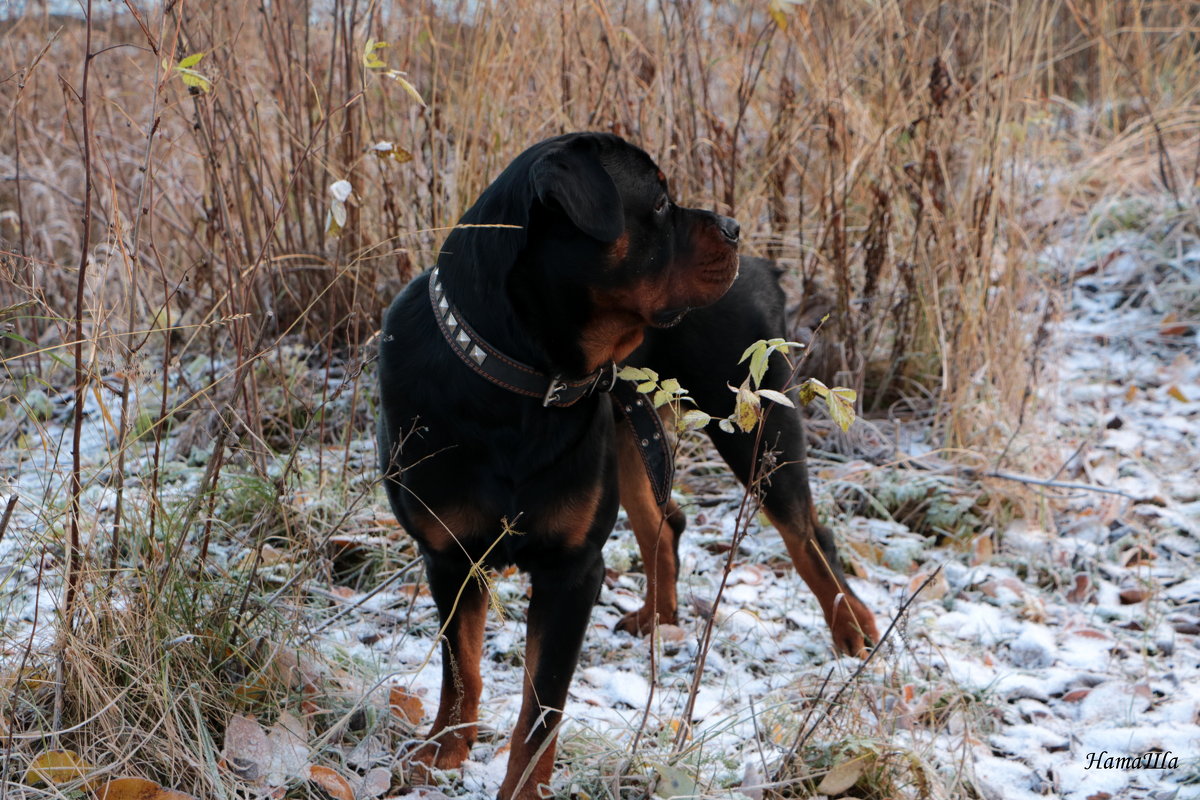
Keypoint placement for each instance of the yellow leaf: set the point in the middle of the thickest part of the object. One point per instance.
(370, 59)
(812, 388)
(191, 60)
(674, 782)
(1177, 393)
(138, 789)
(636, 374)
(841, 406)
(194, 80)
(779, 10)
(747, 410)
(849, 394)
(335, 785)
(190, 77)
(55, 767)
(692, 420)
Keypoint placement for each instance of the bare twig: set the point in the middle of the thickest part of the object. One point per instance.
(74, 557)
(1080, 487)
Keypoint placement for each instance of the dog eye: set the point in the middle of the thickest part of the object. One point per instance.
(661, 205)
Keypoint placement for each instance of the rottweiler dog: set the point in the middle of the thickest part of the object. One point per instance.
(499, 445)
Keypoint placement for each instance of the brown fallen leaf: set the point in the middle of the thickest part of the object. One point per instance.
(137, 789)
(982, 549)
(1138, 556)
(56, 766)
(1082, 590)
(1133, 596)
(937, 588)
(334, 784)
(406, 706)
(274, 755)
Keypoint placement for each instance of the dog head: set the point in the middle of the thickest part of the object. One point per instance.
(601, 251)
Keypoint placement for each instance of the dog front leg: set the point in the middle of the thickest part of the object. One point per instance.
(559, 611)
(462, 608)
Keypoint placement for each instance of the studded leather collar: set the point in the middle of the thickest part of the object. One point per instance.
(653, 445)
(504, 371)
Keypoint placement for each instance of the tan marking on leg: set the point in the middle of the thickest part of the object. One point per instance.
(850, 621)
(654, 535)
(517, 784)
(454, 730)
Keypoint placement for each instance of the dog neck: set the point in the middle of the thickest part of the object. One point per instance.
(501, 369)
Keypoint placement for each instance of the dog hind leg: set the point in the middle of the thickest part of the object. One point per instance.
(789, 505)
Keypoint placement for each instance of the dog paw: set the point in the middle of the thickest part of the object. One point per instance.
(448, 751)
(641, 622)
(854, 632)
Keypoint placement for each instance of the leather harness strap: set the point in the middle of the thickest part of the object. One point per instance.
(488, 362)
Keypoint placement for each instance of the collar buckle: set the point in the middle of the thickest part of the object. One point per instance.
(606, 379)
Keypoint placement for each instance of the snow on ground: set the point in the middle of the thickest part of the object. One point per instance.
(1073, 646)
(1077, 637)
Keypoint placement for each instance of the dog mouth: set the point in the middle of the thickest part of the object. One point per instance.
(670, 317)
(722, 269)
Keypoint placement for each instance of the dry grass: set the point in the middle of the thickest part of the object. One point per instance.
(906, 160)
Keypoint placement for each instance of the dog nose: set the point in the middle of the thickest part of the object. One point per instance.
(729, 228)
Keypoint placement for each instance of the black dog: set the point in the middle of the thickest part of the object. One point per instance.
(492, 368)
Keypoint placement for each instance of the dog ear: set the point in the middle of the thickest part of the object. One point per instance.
(577, 182)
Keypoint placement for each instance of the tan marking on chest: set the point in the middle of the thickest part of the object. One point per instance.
(570, 522)
(444, 528)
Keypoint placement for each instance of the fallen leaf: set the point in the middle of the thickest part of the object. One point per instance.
(1137, 556)
(1091, 633)
(674, 782)
(329, 780)
(56, 766)
(374, 783)
(843, 776)
(273, 756)
(937, 588)
(1082, 589)
(982, 549)
(407, 707)
(1132, 596)
(137, 789)
(752, 781)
